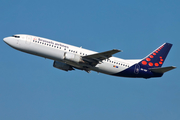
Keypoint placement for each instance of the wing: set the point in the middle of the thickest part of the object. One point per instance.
(98, 57)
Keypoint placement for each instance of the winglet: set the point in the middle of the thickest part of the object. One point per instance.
(162, 69)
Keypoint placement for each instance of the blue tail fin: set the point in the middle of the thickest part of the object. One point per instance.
(157, 57)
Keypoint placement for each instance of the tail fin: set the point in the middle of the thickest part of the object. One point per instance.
(157, 57)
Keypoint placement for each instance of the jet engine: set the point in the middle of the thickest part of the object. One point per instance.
(72, 57)
(62, 66)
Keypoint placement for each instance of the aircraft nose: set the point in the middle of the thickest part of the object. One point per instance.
(9, 41)
(12, 42)
(5, 40)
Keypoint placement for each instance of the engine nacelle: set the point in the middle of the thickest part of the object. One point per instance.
(62, 66)
(72, 57)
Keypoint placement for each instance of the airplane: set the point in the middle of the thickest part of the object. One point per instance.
(67, 57)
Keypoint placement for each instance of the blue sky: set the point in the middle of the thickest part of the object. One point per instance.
(30, 88)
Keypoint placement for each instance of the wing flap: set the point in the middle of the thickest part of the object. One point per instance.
(162, 69)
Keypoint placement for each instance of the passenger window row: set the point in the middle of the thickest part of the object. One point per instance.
(57, 47)
(117, 63)
(72, 51)
(47, 44)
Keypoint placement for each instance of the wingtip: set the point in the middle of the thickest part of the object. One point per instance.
(174, 67)
(118, 50)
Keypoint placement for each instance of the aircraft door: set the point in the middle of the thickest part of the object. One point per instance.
(136, 69)
(28, 39)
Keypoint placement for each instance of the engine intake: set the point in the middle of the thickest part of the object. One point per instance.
(62, 66)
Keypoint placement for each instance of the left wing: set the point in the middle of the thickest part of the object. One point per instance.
(98, 57)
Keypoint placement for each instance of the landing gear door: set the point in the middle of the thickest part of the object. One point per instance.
(136, 69)
(28, 39)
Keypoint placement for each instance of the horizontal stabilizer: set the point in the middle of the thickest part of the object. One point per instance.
(162, 69)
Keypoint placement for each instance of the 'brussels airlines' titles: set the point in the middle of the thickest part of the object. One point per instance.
(67, 57)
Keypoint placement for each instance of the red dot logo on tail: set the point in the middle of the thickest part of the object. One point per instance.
(148, 59)
(151, 56)
(156, 64)
(144, 62)
(151, 64)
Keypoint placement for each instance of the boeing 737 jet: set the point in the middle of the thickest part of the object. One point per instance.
(67, 57)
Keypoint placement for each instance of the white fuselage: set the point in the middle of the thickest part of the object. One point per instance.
(55, 50)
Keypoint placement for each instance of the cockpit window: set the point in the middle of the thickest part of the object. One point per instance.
(16, 36)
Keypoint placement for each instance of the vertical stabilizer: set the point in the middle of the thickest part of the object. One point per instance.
(157, 57)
